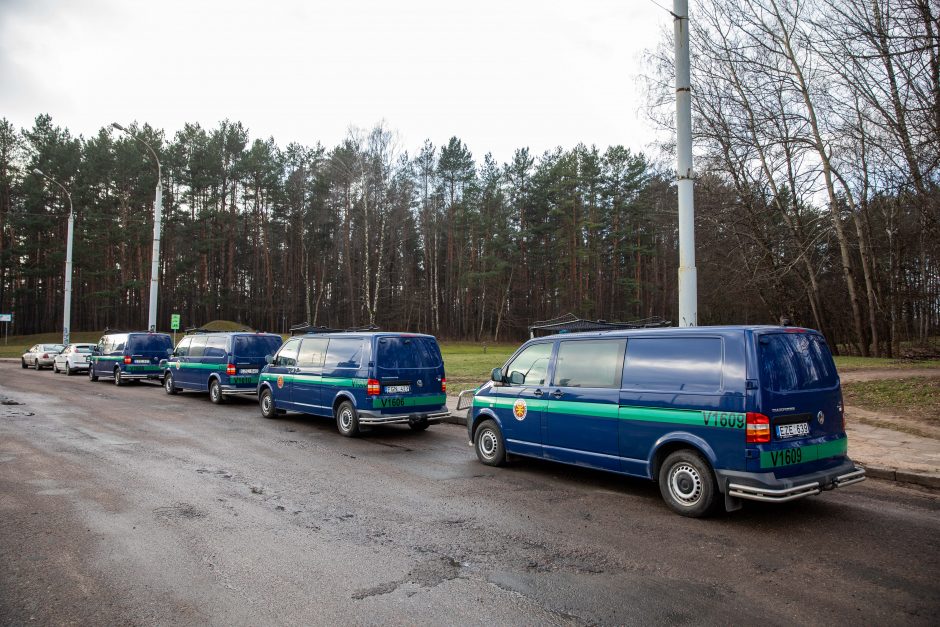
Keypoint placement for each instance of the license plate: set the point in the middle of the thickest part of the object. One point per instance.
(792, 431)
(141, 361)
(248, 371)
(397, 389)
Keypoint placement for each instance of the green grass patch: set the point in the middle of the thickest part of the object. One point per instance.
(468, 364)
(917, 398)
(849, 363)
(17, 344)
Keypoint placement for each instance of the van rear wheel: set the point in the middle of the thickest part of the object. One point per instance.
(117, 377)
(215, 392)
(688, 484)
(488, 444)
(347, 420)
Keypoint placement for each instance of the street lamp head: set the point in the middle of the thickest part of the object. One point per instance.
(118, 126)
(38, 172)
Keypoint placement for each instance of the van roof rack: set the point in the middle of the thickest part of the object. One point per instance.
(308, 329)
(196, 331)
(305, 327)
(113, 331)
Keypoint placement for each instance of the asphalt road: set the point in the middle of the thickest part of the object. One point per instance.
(125, 505)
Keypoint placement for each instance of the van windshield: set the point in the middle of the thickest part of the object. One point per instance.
(156, 343)
(796, 361)
(408, 352)
(256, 346)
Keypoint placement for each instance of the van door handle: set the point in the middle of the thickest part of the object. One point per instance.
(557, 394)
(537, 393)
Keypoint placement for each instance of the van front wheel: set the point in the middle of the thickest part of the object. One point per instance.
(268, 410)
(687, 484)
(488, 444)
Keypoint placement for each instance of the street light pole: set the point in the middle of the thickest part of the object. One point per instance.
(688, 283)
(157, 223)
(67, 308)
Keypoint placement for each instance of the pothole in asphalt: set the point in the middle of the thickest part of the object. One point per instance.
(179, 511)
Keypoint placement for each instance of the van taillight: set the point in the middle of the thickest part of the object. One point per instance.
(758, 428)
(443, 384)
(373, 388)
(127, 360)
(230, 369)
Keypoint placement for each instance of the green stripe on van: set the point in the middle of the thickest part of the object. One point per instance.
(690, 417)
(315, 378)
(393, 402)
(803, 454)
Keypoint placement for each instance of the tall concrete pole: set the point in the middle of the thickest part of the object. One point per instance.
(155, 261)
(688, 287)
(67, 306)
(157, 224)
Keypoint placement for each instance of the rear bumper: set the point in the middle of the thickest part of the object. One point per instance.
(141, 375)
(367, 417)
(767, 488)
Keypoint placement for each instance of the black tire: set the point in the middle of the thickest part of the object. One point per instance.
(488, 444)
(55, 368)
(23, 364)
(91, 373)
(347, 420)
(169, 385)
(687, 483)
(266, 402)
(36, 365)
(68, 370)
(118, 379)
(419, 425)
(215, 392)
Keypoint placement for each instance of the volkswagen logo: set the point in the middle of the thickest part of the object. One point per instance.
(820, 417)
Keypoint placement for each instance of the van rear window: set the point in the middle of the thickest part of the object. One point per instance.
(397, 353)
(149, 343)
(256, 346)
(795, 361)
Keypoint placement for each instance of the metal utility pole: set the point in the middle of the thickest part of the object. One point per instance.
(67, 308)
(157, 221)
(688, 288)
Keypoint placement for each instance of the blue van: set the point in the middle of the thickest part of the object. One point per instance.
(358, 379)
(128, 356)
(736, 413)
(219, 363)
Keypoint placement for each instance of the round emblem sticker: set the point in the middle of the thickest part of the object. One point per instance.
(280, 382)
(520, 409)
(177, 365)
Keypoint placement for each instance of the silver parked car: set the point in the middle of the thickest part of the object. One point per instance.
(40, 355)
(73, 359)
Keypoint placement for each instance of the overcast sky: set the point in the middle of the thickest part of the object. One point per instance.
(499, 74)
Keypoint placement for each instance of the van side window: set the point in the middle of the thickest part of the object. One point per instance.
(288, 353)
(674, 364)
(215, 346)
(312, 353)
(117, 343)
(344, 353)
(182, 349)
(198, 347)
(589, 363)
(532, 363)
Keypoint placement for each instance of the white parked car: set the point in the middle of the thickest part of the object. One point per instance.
(40, 355)
(73, 359)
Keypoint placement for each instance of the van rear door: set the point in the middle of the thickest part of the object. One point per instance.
(801, 395)
(410, 371)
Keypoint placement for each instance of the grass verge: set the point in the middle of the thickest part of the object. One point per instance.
(468, 364)
(915, 398)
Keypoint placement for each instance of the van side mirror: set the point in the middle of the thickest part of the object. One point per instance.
(497, 375)
(269, 359)
(516, 378)
(170, 353)
(95, 350)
